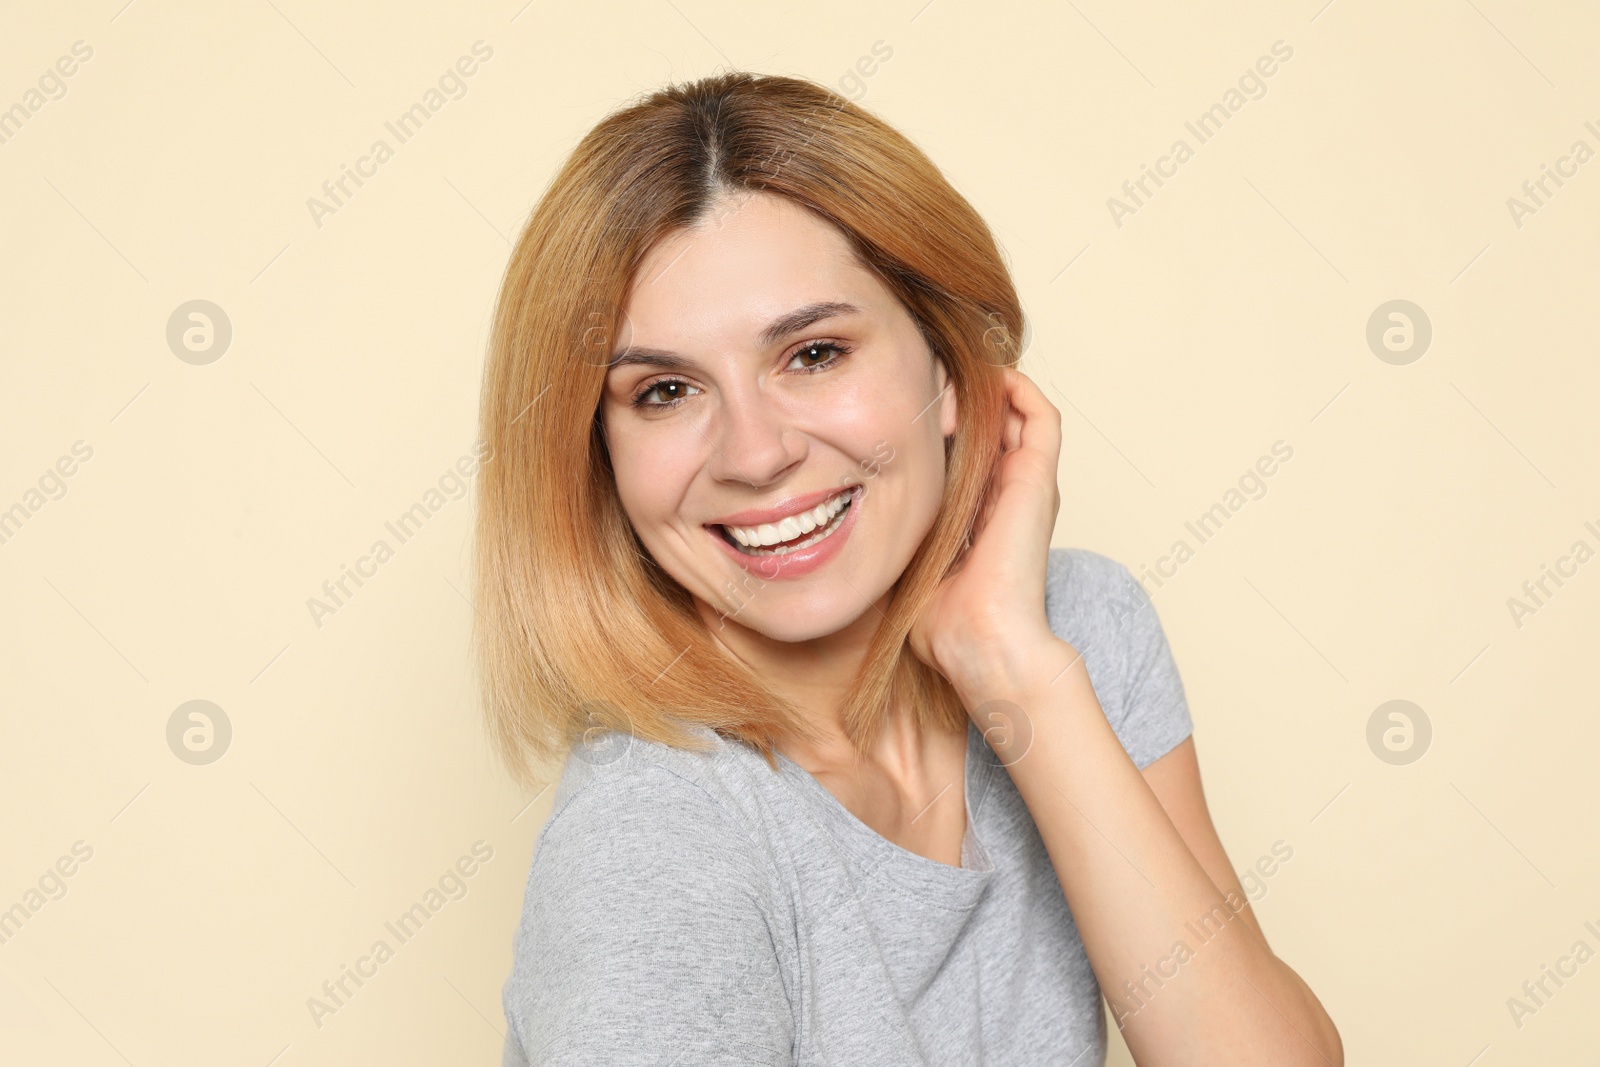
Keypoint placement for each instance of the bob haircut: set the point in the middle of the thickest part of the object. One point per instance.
(578, 630)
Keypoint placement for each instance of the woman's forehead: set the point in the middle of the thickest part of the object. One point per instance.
(758, 243)
(716, 285)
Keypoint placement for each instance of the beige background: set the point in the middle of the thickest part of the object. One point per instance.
(1227, 313)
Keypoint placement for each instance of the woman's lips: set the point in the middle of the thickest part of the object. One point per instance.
(800, 561)
(795, 505)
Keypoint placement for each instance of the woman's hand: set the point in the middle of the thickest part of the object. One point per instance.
(988, 617)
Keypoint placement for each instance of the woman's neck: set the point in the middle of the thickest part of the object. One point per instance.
(815, 676)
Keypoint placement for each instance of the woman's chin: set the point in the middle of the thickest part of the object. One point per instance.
(788, 627)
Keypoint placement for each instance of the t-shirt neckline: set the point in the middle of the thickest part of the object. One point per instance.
(915, 873)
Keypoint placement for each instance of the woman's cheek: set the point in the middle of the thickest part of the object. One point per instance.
(643, 486)
(854, 424)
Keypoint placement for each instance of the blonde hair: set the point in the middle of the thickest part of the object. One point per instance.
(577, 628)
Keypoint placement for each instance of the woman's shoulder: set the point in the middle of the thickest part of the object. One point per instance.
(621, 791)
(1094, 601)
(626, 807)
(1077, 575)
(640, 843)
(643, 903)
(1095, 604)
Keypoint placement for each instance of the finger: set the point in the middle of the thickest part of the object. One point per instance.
(1011, 430)
(1011, 434)
(1040, 420)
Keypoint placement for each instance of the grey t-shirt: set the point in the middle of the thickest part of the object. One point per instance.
(687, 909)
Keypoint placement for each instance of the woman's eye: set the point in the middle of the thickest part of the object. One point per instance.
(813, 356)
(826, 352)
(677, 390)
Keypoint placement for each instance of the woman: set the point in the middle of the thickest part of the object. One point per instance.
(862, 770)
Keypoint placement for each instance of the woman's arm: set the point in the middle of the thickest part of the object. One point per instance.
(1195, 983)
(1190, 977)
(1175, 780)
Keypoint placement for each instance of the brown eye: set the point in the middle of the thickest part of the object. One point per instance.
(675, 390)
(825, 352)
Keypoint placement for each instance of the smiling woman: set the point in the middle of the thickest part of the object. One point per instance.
(651, 372)
(766, 396)
(857, 767)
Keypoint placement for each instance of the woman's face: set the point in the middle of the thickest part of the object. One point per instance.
(765, 373)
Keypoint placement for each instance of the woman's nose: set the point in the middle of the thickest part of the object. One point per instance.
(753, 440)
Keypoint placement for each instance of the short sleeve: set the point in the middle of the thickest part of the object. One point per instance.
(1096, 604)
(643, 938)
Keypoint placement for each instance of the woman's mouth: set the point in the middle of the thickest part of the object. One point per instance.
(795, 533)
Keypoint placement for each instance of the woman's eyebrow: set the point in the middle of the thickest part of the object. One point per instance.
(800, 318)
(781, 327)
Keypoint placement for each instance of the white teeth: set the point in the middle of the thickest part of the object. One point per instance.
(820, 518)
